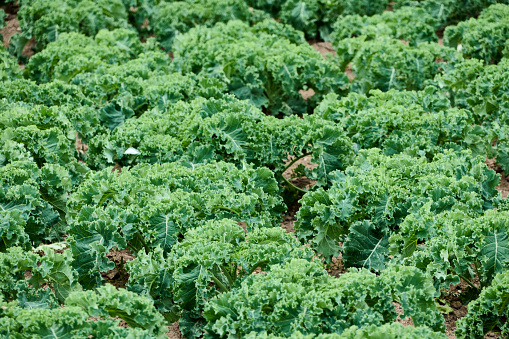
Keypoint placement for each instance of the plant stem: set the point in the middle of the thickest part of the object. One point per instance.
(295, 187)
(294, 161)
(258, 264)
(226, 209)
(468, 281)
(219, 284)
(290, 165)
(228, 276)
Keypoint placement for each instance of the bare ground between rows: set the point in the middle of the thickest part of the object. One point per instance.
(12, 27)
(503, 188)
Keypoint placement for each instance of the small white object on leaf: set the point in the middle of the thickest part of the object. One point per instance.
(132, 151)
(460, 48)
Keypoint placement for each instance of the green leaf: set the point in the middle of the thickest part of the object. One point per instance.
(114, 115)
(491, 309)
(495, 252)
(365, 247)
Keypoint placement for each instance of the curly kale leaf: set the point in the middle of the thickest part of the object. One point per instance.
(300, 296)
(386, 189)
(272, 71)
(32, 203)
(457, 246)
(75, 53)
(483, 38)
(52, 268)
(45, 22)
(210, 260)
(388, 63)
(364, 247)
(109, 209)
(414, 123)
(491, 309)
(171, 19)
(91, 313)
(448, 12)
(316, 17)
(107, 301)
(225, 129)
(414, 25)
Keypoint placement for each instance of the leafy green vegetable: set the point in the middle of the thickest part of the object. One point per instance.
(107, 301)
(32, 203)
(365, 247)
(390, 331)
(413, 25)
(384, 190)
(488, 311)
(300, 296)
(414, 123)
(50, 268)
(225, 129)
(177, 130)
(75, 53)
(449, 12)
(9, 68)
(456, 245)
(483, 90)
(174, 18)
(47, 21)
(2, 22)
(210, 260)
(483, 38)
(50, 94)
(141, 84)
(86, 314)
(387, 63)
(266, 68)
(109, 209)
(316, 17)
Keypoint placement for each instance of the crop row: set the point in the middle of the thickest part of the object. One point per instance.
(109, 142)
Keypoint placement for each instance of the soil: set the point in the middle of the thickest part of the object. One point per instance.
(349, 72)
(289, 217)
(452, 299)
(118, 276)
(405, 321)
(440, 35)
(336, 268)
(503, 188)
(12, 27)
(80, 146)
(174, 332)
(306, 94)
(325, 48)
(301, 182)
